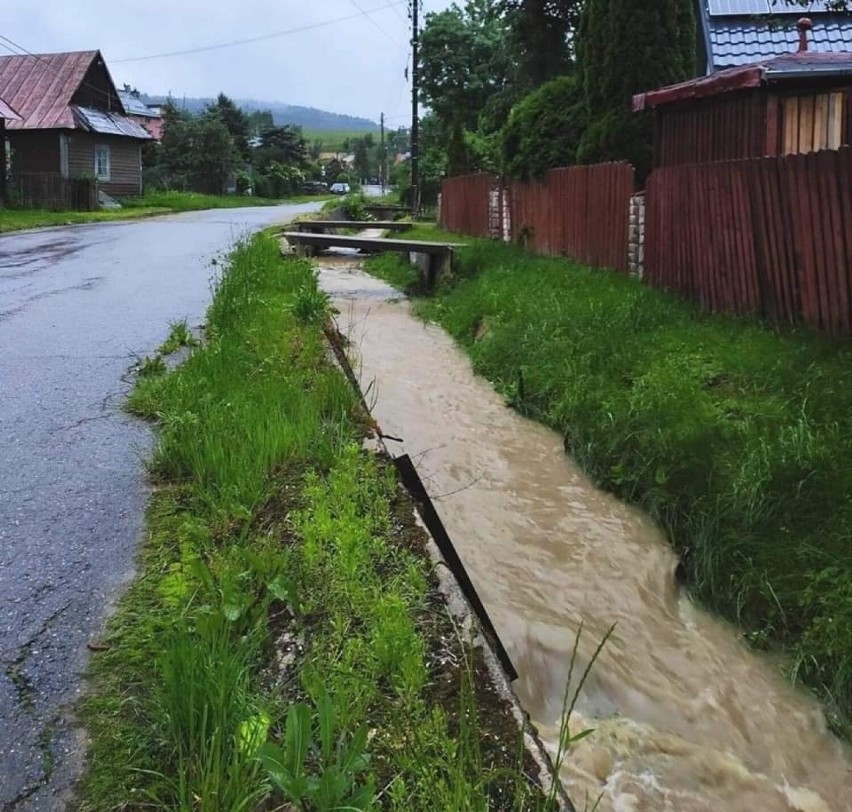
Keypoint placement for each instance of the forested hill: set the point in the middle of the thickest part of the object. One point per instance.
(307, 117)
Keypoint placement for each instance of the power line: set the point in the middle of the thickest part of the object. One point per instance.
(250, 40)
(399, 14)
(375, 24)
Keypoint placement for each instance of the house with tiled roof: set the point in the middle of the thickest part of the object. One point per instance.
(740, 32)
(795, 103)
(71, 121)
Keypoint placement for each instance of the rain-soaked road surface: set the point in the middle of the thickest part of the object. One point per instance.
(77, 306)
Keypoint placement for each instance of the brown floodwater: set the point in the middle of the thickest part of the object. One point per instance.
(686, 717)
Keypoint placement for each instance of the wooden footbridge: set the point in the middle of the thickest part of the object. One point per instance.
(314, 236)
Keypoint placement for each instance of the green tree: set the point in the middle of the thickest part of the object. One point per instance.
(626, 47)
(544, 129)
(362, 161)
(235, 120)
(175, 154)
(466, 70)
(260, 121)
(213, 153)
(542, 38)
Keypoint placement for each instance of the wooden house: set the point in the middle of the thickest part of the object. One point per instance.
(795, 103)
(6, 114)
(71, 123)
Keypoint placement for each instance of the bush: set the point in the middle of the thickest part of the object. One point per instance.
(544, 129)
(619, 135)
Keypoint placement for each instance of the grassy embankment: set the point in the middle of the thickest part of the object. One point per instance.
(735, 437)
(285, 645)
(147, 205)
(333, 140)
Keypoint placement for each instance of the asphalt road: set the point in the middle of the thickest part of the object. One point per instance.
(77, 306)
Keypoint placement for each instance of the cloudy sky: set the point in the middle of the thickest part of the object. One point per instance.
(343, 59)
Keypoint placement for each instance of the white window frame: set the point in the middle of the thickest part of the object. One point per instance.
(101, 149)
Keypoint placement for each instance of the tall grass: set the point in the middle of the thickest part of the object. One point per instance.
(736, 437)
(270, 520)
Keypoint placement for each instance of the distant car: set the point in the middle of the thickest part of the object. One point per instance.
(340, 188)
(314, 187)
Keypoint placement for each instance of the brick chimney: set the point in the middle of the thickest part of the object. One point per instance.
(804, 25)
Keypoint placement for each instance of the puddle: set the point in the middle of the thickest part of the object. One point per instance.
(686, 717)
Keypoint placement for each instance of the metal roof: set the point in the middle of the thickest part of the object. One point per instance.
(7, 113)
(806, 64)
(40, 87)
(135, 107)
(99, 121)
(739, 32)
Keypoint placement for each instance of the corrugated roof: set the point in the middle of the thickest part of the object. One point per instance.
(40, 87)
(135, 107)
(788, 66)
(7, 113)
(740, 32)
(99, 121)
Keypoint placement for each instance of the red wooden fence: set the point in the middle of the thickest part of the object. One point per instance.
(466, 204)
(769, 236)
(582, 212)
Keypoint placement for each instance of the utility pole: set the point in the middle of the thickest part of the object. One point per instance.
(383, 158)
(415, 120)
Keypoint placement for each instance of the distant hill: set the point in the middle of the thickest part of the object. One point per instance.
(307, 117)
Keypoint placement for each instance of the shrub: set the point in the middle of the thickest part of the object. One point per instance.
(544, 129)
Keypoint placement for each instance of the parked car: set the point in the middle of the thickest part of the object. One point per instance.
(340, 188)
(314, 187)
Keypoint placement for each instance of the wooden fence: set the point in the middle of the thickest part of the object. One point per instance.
(765, 236)
(582, 212)
(466, 204)
(46, 190)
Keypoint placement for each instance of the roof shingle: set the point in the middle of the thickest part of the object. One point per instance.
(739, 32)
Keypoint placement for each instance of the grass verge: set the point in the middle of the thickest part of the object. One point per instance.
(150, 204)
(20, 219)
(285, 645)
(735, 437)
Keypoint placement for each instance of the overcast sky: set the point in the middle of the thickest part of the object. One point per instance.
(352, 66)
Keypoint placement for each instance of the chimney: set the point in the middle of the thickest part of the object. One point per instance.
(804, 25)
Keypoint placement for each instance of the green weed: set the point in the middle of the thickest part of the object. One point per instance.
(179, 336)
(150, 367)
(318, 767)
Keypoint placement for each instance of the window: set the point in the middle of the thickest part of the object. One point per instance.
(812, 123)
(102, 162)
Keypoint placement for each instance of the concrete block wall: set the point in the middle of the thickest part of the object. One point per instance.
(636, 248)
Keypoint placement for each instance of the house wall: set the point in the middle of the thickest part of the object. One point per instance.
(34, 151)
(125, 162)
(746, 124)
(712, 129)
(2, 161)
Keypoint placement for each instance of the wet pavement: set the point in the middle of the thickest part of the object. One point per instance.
(78, 306)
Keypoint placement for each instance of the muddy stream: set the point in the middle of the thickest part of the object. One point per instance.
(686, 717)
